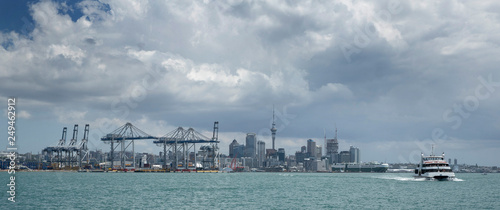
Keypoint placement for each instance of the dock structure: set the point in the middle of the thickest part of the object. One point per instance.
(124, 137)
(55, 153)
(179, 141)
(69, 155)
(182, 140)
(83, 149)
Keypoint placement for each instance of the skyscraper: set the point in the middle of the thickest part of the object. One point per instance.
(251, 145)
(455, 165)
(311, 148)
(303, 149)
(319, 150)
(332, 148)
(232, 146)
(281, 154)
(239, 151)
(344, 157)
(273, 129)
(261, 152)
(354, 154)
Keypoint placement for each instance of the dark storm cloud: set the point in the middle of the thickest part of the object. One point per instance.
(384, 72)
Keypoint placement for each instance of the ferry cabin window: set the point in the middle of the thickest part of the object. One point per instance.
(436, 170)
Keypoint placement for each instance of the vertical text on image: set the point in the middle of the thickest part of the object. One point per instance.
(12, 148)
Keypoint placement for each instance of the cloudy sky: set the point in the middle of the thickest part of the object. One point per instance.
(393, 76)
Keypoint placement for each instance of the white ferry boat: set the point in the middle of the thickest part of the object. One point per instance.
(434, 167)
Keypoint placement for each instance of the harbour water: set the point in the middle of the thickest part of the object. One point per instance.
(70, 190)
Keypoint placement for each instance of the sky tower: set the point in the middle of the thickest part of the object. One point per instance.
(273, 130)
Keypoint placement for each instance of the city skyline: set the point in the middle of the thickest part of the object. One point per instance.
(394, 77)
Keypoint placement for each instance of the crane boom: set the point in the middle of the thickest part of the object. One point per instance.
(75, 135)
(62, 141)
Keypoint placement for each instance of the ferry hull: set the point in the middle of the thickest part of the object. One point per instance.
(437, 177)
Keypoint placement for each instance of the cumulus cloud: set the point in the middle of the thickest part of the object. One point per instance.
(368, 66)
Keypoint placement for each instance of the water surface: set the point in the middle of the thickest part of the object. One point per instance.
(69, 190)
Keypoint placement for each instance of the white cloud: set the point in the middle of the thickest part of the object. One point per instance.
(68, 116)
(166, 62)
(24, 114)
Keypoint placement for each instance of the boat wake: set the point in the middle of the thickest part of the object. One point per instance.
(400, 178)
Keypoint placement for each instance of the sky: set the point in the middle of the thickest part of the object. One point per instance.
(394, 77)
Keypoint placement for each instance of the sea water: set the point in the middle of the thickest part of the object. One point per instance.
(71, 190)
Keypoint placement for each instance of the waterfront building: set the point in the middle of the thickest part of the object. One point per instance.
(319, 165)
(251, 145)
(249, 162)
(308, 164)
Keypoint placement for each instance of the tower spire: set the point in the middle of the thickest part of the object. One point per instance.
(273, 114)
(335, 130)
(326, 148)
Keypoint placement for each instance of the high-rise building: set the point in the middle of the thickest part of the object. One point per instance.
(455, 165)
(354, 154)
(344, 157)
(232, 146)
(300, 156)
(251, 145)
(332, 148)
(271, 153)
(311, 148)
(303, 149)
(273, 129)
(261, 152)
(239, 151)
(281, 154)
(319, 150)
